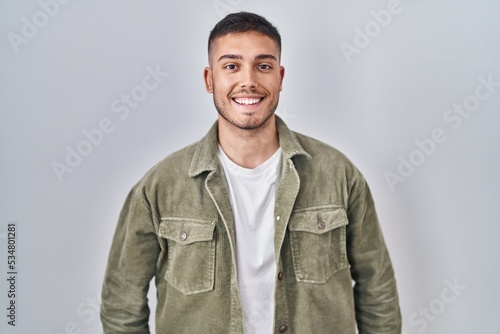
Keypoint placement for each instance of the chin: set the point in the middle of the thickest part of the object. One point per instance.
(253, 123)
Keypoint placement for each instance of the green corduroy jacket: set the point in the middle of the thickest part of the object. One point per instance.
(333, 275)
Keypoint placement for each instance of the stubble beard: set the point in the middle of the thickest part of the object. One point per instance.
(221, 107)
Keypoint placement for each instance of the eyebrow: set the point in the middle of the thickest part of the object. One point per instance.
(259, 57)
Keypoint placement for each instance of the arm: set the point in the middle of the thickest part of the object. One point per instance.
(131, 265)
(375, 293)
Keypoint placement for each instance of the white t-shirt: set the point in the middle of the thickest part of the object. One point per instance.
(252, 196)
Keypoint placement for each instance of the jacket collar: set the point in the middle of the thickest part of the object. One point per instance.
(205, 156)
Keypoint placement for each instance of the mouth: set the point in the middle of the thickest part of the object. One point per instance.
(247, 101)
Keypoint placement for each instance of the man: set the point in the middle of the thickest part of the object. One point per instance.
(255, 228)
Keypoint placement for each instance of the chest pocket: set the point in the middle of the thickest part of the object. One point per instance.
(191, 254)
(318, 242)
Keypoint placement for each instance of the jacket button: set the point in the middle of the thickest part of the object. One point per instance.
(321, 224)
(280, 275)
(184, 236)
(283, 329)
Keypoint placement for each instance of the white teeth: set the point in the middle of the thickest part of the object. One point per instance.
(247, 101)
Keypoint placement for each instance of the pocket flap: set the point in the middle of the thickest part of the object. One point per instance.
(186, 231)
(318, 220)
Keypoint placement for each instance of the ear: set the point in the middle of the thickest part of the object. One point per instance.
(282, 76)
(207, 74)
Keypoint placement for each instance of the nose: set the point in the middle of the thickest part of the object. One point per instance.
(249, 78)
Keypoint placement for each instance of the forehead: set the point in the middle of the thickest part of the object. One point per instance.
(246, 43)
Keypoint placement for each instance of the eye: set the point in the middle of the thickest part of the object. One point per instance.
(230, 67)
(264, 67)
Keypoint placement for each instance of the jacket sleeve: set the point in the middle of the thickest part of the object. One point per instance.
(131, 266)
(375, 293)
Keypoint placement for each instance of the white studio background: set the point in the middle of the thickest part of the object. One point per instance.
(384, 89)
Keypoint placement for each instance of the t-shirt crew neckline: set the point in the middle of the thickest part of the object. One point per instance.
(242, 171)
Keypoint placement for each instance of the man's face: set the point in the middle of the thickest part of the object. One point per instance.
(245, 79)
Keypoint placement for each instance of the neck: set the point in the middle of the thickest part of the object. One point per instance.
(248, 148)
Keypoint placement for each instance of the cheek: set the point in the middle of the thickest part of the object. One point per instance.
(221, 88)
(221, 80)
(274, 86)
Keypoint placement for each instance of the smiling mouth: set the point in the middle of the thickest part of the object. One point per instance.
(245, 101)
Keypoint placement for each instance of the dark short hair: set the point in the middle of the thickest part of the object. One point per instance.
(243, 22)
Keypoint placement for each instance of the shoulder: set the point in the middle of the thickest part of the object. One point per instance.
(321, 152)
(173, 167)
(329, 163)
